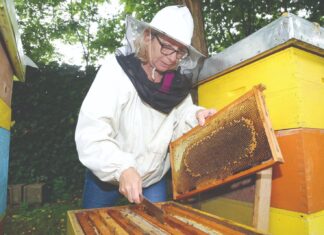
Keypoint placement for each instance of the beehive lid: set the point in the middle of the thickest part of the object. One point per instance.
(237, 141)
(288, 30)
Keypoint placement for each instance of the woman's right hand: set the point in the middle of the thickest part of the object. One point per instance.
(130, 185)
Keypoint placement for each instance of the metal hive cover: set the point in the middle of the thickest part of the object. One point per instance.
(287, 30)
(237, 141)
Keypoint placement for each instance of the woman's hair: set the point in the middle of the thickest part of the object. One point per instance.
(141, 47)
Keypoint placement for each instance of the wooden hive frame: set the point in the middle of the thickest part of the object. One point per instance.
(136, 220)
(179, 148)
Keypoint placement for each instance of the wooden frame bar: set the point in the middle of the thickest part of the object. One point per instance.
(134, 219)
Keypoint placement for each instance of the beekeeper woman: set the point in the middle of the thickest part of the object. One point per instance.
(138, 103)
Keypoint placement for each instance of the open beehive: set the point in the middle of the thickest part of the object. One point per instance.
(134, 219)
(237, 141)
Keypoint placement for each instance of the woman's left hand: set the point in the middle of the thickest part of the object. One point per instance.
(202, 114)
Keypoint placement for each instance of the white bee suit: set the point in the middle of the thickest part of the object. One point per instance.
(117, 130)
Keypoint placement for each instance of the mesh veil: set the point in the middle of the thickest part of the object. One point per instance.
(135, 28)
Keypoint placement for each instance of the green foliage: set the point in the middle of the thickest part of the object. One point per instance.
(144, 10)
(50, 219)
(60, 188)
(72, 22)
(45, 111)
(106, 41)
(227, 22)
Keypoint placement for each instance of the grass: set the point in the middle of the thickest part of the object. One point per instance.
(48, 219)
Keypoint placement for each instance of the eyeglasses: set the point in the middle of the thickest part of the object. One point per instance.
(169, 50)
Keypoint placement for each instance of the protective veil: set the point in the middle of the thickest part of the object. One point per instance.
(164, 23)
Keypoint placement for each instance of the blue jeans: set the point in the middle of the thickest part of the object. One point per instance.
(97, 194)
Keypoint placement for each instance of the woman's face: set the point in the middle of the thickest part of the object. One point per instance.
(164, 52)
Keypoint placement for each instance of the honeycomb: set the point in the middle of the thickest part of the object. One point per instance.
(233, 141)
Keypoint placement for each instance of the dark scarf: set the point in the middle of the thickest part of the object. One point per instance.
(163, 96)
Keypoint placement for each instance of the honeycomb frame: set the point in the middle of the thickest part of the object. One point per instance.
(235, 142)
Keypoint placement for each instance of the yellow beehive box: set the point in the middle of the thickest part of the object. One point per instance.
(282, 222)
(294, 79)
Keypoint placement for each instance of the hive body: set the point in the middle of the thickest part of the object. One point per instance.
(295, 100)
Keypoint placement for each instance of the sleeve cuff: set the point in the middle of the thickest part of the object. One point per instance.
(123, 167)
(191, 119)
